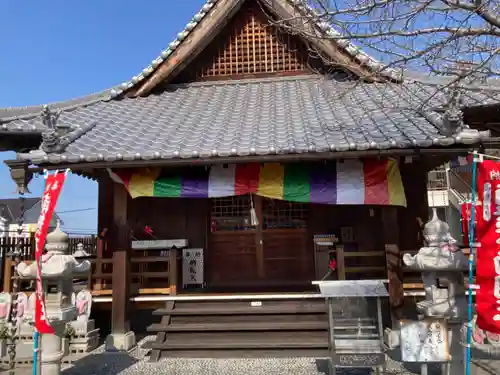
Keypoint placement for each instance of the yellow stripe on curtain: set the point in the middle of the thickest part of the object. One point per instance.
(271, 181)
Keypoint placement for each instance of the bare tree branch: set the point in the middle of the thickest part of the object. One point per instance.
(453, 37)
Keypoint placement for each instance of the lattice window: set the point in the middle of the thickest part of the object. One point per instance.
(284, 214)
(231, 213)
(249, 45)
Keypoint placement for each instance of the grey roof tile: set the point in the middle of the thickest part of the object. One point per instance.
(267, 116)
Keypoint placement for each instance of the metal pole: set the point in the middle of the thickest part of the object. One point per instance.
(331, 337)
(36, 337)
(381, 334)
(471, 264)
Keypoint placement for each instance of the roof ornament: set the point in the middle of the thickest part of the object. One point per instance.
(50, 136)
(453, 116)
(50, 118)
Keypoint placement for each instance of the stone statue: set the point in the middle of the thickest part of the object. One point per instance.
(25, 313)
(30, 313)
(22, 306)
(83, 305)
(80, 251)
(441, 260)
(5, 305)
(481, 337)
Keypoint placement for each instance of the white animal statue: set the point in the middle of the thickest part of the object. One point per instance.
(83, 305)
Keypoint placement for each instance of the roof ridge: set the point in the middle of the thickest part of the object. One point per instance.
(26, 112)
(439, 80)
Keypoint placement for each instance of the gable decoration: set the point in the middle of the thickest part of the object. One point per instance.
(371, 182)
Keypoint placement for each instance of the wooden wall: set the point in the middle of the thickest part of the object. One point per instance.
(374, 227)
(171, 218)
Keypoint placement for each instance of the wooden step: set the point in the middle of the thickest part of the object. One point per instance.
(230, 319)
(245, 353)
(244, 307)
(240, 326)
(240, 340)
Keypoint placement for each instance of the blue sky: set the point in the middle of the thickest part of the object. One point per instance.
(56, 50)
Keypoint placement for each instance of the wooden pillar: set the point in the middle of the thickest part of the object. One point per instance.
(105, 206)
(173, 270)
(259, 239)
(414, 177)
(393, 261)
(339, 255)
(120, 245)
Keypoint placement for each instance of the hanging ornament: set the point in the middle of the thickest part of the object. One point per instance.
(254, 220)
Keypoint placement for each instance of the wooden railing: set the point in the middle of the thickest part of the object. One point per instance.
(28, 245)
(27, 252)
(354, 264)
(150, 274)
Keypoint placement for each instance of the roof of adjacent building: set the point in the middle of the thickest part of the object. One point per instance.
(11, 210)
(257, 117)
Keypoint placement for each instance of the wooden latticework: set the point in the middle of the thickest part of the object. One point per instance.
(231, 213)
(284, 214)
(249, 46)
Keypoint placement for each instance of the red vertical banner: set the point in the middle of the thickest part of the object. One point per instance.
(53, 186)
(488, 254)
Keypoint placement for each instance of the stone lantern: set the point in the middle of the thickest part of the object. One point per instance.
(58, 270)
(442, 264)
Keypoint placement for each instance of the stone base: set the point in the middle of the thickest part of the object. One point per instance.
(120, 341)
(442, 307)
(392, 338)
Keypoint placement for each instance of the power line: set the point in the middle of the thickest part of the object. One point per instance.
(76, 210)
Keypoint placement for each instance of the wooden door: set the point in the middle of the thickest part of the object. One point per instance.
(287, 255)
(232, 252)
(275, 252)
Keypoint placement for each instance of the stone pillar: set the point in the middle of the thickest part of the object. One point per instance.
(51, 355)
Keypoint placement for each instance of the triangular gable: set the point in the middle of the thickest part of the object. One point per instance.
(249, 47)
(214, 15)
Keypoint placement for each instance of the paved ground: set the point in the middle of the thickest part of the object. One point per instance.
(136, 363)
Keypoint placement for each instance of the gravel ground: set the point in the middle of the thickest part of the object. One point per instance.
(136, 363)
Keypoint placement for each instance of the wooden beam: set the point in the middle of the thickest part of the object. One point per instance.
(120, 312)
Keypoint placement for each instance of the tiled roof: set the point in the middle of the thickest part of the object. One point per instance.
(10, 209)
(13, 119)
(257, 117)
